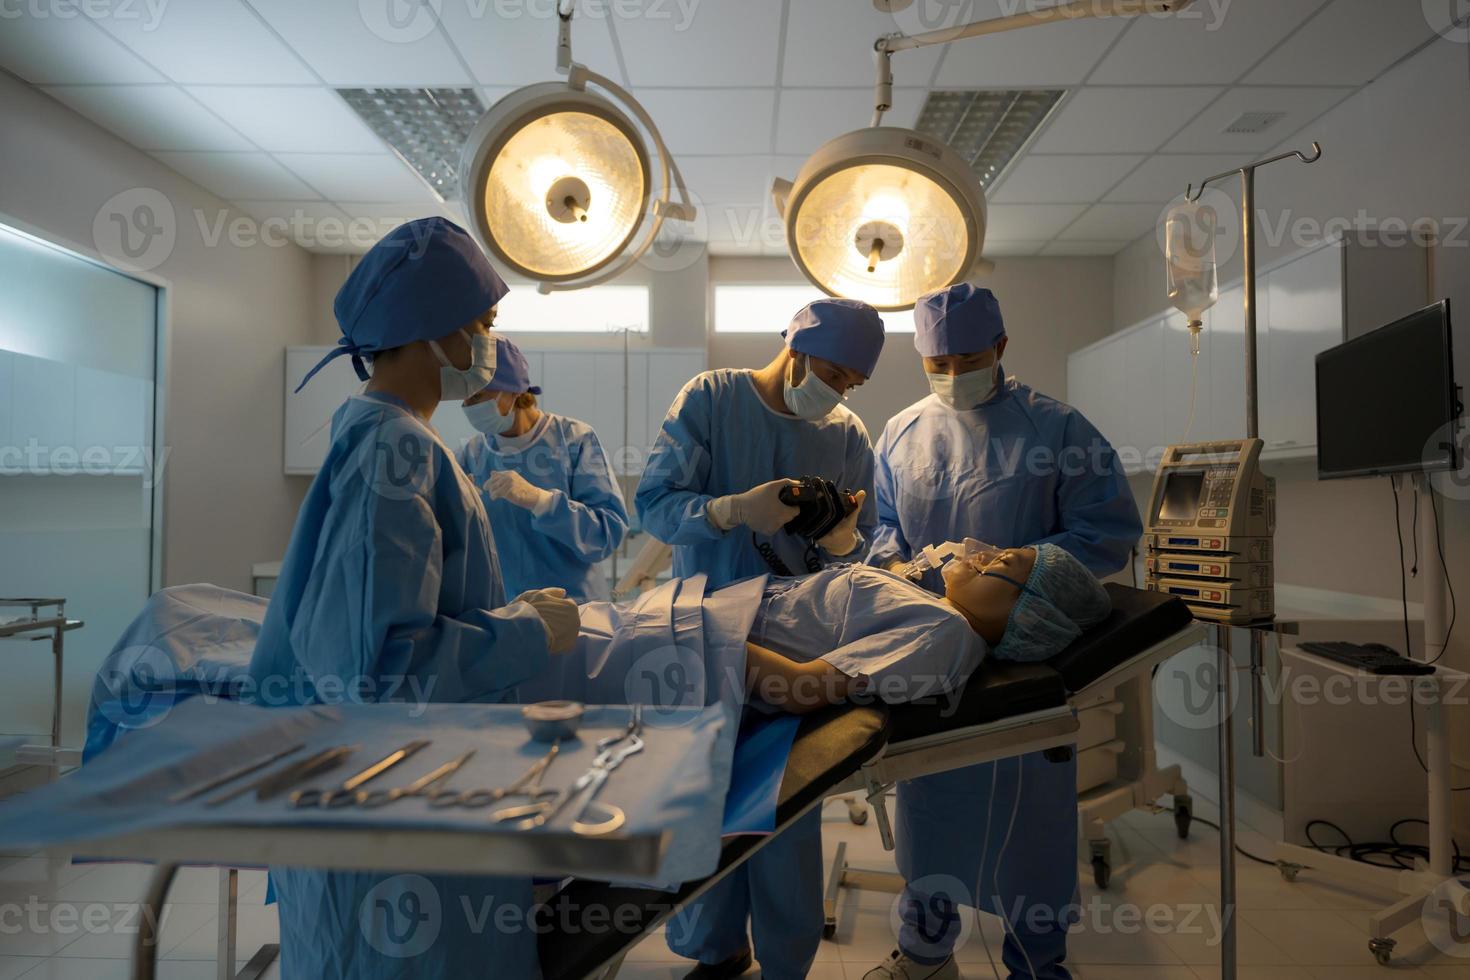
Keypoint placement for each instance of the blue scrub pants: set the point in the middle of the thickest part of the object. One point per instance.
(941, 831)
(779, 891)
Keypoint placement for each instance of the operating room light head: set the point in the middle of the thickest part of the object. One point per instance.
(986, 586)
(565, 192)
(881, 233)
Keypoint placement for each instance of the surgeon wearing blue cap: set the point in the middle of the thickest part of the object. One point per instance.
(547, 485)
(711, 488)
(390, 590)
(985, 456)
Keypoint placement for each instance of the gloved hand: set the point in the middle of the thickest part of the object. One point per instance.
(510, 485)
(843, 539)
(759, 509)
(559, 615)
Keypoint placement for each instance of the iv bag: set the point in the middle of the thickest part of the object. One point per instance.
(1189, 249)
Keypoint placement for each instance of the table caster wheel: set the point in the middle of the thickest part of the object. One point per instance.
(1289, 871)
(829, 930)
(858, 817)
(1183, 816)
(1382, 950)
(1102, 872)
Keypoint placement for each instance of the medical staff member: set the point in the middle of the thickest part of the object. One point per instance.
(987, 457)
(390, 590)
(731, 441)
(547, 486)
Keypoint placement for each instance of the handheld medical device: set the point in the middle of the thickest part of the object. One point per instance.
(820, 504)
(1211, 520)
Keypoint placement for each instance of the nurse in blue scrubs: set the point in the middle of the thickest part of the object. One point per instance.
(390, 584)
(547, 486)
(986, 456)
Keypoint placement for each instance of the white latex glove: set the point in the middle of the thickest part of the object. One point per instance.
(559, 615)
(759, 509)
(510, 485)
(904, 570)
(843, 539)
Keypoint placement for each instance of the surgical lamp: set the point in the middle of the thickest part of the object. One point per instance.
(886, 214)
(558, 182)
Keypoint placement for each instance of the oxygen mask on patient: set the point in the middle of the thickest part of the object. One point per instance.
(937, 556)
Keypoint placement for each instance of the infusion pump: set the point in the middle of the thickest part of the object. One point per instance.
(1212, 517)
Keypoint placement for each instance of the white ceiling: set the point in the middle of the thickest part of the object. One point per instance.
(237, 94)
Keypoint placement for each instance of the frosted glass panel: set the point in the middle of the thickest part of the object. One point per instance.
(77, 356)
(767, 309)
(601, 309)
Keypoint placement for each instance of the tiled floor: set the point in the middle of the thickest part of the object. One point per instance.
(1154, 922)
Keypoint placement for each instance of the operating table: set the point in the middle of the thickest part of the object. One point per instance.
(1004, 709)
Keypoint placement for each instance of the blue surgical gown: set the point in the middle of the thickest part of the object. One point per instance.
(720, 438)
(585, 523)
(390, 583)
(1019, 469)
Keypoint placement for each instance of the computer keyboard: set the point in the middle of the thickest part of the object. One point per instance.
(1374, 658)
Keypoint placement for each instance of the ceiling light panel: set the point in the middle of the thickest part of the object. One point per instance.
(986, 127)
(427, 127)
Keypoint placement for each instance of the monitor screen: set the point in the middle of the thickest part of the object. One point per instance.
(1385, 400)
(1179, 500)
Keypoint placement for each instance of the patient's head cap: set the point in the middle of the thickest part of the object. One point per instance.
(1061, 600)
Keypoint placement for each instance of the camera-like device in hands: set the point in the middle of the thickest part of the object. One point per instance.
(822, 506)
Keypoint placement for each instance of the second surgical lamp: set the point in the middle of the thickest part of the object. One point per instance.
(886, 214)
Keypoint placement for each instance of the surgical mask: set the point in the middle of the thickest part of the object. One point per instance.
(456, 384)
(963, 392)
(813, 398)
(485, 416)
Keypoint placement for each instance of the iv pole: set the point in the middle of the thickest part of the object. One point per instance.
(1226, 727)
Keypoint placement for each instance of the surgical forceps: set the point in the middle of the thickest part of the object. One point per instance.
(346, 794)
(612, 752)
(373, 798)
(527, 784)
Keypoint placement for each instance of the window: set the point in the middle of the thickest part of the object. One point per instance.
(768, 308)
(601, 309)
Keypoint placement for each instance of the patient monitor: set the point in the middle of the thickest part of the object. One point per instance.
(1211, 518)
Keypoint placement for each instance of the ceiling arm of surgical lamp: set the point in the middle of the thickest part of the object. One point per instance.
(564, 37)
(662, 209)
(1073, 10)
(883, 89)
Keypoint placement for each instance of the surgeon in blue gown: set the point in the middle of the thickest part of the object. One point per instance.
(731, 441)
(985, 456)
(547, 486)
(390, 589)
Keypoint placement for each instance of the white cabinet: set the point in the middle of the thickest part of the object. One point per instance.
(587, 385)
(1304, 316)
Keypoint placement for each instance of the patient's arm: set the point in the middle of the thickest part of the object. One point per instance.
(794, 687)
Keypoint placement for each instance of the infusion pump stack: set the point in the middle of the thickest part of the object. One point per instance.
(1211, 519)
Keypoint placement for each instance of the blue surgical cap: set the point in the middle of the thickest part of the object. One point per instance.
(962, 319)
(512, 373)
(423, 280)
(1059, 601)
(844, 331)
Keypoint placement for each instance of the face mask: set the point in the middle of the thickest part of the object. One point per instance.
(456, 384)
(485, 416)
(964, 391)
(813, 398)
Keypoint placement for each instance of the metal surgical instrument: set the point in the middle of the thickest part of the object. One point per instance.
(372, 798)
(346, 793)
(527, 784)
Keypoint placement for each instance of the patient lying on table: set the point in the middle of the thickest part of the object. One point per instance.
(853, 630)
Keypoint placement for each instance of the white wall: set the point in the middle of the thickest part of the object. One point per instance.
(233, 310)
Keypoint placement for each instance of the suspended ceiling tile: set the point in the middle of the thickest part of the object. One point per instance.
(357, 177)
(1029, 222)
(1161, 178)
(693, 43)
(240, 176)
(152, 117)
(711, 121)
(1041, 179)
(808, 117)
(830, 42)
(56, 51)
(1045, 56)
(218, 42)
(1113, 222)
(1298, 106)
(354, 45)
(514, 44)
(1350, 42)
(1122, 120)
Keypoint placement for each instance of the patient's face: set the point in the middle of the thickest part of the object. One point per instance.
(976, 587)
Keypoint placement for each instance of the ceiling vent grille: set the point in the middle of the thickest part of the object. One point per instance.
(988, 127)
(1254, 122)
(426, 127)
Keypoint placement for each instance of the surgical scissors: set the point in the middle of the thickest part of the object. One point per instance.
(373, 798)
(613, 751)
(527, 784)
